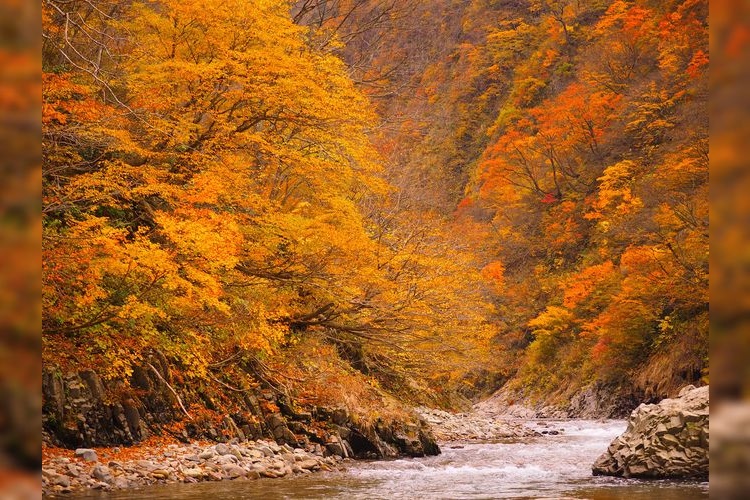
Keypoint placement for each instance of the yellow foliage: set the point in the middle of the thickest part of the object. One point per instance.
(554, 321)
(214, 185)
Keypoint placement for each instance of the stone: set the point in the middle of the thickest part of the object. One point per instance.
(194, 472)
(272, 473)
(309, 463)
(665, 440)
(233, 429)
(336, 448)
(674, 423)
(234, 471)
(688, 416)
(145, 464)
(258, 468)
(670, 441)
(636, 470)
(48, 473)
(160, 473)
(685, 390)
(60, 480)
(342, 431)
(121, 483)
(87, 454)
(102, 473)
(304, 416)
(483, 423)
(340, 416)
(222, 449)
(274, 446)
(226, 459)
(266, 450)
(235, 451)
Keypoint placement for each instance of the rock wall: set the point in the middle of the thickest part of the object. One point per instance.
(602, 401)
(82, 410)
(596, 401)
(664, 440)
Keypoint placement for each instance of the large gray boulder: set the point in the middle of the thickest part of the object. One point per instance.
(665, 440)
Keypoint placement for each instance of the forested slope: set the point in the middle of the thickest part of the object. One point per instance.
(213, 200)
(572, 138)
(360, 202)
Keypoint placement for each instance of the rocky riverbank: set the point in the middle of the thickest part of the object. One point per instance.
(83, 410)
(64, 471)
(154, 427)
(477, 425)
(665, 440)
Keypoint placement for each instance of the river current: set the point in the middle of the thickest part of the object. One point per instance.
(550, 467)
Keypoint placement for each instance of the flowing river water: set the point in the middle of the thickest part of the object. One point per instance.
(550, 466)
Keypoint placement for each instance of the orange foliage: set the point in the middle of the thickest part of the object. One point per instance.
(584, 283)
(211, 184)
(215, 180)
(586, 190)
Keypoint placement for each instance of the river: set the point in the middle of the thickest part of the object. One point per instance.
(551, 466)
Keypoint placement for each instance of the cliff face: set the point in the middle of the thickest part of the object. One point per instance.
(593, 402)
(83, 410)
(665, 440)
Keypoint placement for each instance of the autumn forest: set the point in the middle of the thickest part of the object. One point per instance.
(376, 203)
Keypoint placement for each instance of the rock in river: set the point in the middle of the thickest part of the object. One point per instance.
(665, 440)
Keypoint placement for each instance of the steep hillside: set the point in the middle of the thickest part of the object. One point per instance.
(370, 204)
(212, 199)
(569, 140)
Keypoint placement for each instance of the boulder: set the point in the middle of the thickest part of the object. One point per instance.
(309, 463)
(281, 433)
(664, 440)
(160, 474)
(87, 454)
(338, 446)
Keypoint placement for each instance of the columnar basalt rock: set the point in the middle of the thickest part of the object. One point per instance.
(665, 440)
(82, 410)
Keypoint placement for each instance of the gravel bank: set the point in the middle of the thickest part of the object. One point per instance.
(64, 471)
(478, 425)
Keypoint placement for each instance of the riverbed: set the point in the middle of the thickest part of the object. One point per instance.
(548, 466)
